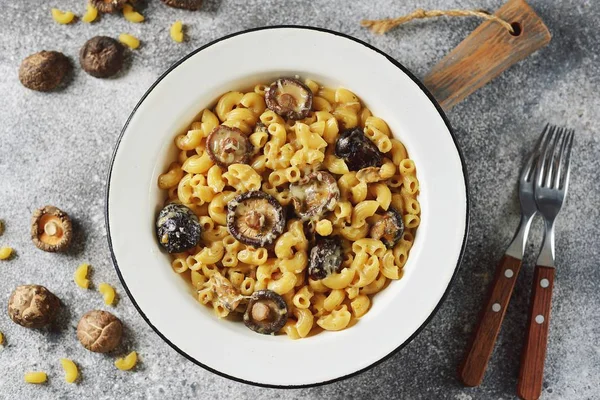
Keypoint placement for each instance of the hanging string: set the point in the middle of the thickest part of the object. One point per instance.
(381, 26)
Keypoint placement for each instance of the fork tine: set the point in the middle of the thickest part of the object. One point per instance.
(553, 156)
(541, 162)
(560, 163)
(567, 162)
(528, 168)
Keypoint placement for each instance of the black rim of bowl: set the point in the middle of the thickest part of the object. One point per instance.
(459, 260)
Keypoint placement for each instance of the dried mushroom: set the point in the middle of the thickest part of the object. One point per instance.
(108, 6)
(228, 296)
(389, 228)
(99, 331)
(325, 258)
(266, 312)
(191, 5)
(289, 98)
(51, 229)
(255, 218)
(177, 228)
(314, 195)
(226, 146)
(357, 150)
(33, 306)
(101, 56)
(44, 71)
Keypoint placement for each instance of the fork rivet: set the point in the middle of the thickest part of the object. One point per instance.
(544, 283)
(539, 319)
(496, 307)
(508, 273)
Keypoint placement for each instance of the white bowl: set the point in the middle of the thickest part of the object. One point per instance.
(146, 147)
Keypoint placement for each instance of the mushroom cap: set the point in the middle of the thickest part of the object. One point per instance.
(51, 229)
(101, 56)
(226, 146)
(389, 228)
(266, 313)
(108, 6)
(255, 218)
(177, 228)
(357, 150)
(44, 71)
(314, 195)
(191, 5)
(325, 257)
(99, 331)
(289, 98)
(33, 306)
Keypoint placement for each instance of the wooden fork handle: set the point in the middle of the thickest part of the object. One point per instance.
(534, 352)
(480, 349)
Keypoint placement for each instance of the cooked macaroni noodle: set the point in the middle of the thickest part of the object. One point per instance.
(282, 153)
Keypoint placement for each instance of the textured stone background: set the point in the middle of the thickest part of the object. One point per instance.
(55, 149)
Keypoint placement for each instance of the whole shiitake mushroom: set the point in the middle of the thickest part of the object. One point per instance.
(99, 331)
(33, 306)
(44, 71)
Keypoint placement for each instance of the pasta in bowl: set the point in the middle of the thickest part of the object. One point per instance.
(306, 203)
(169, 301)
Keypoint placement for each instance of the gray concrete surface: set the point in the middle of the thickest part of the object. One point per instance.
(55, 149)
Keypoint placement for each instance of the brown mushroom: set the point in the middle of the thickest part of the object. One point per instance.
(226, 146)
(191, 5)
(108, 6)
(99, 331)
(314, 195)
(51, 229)
(289, 98)
(389, 228)
(255, 218)
(357, 150)
(33, 306)
(101, 56)
(266, 313)
(44, 71)
(325, 258)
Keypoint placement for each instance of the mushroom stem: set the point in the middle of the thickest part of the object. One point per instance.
(51, 229)
(255, 220)
(260, 312)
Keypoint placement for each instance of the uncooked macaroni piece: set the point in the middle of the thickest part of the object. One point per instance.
(108, 292)
(1, 338)
(129, 40)
(71, 371)
(131, 15)
(5, 253)
(283, 152)
(80, 276)
(91, 14)
(176, 32)
(62, 17)
(128, 362)
(36, 377)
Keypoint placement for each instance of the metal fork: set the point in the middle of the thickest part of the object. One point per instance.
(473, 368)
(551, 184)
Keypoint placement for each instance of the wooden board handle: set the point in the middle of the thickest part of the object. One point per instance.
(485, 53)
(534, 352)
(480, 349)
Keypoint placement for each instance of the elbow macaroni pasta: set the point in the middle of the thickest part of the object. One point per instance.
(282, 152)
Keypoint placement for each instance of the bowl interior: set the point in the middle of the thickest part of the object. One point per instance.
(146, 149)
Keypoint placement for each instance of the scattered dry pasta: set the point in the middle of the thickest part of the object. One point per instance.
(108, 292)
(62, 17)
(176, 31)
(1, 338)
(80, 276)
(91, 14)
(36, 377)
(129, 40)
(128, 362)
(285, 153)
(5, 253)
(71, 371)
(131, 15)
